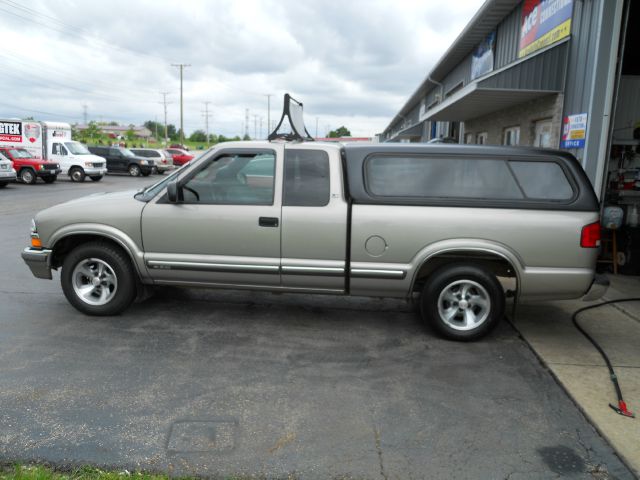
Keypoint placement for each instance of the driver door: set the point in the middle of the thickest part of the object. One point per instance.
(225, 231)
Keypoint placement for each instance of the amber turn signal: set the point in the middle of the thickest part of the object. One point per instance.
(36, 242)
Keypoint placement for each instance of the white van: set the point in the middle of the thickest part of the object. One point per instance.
(74, 158)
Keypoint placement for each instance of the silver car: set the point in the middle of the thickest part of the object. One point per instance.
(7, 172)
(163, 161)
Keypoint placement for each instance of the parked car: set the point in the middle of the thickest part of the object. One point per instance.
(162, 160)
(7, 172)
(29, 168)
(180, 157)
(390, 220)
(123, 160)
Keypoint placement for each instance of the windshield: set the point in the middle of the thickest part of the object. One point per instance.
(20, 153)
(77, 148)
(127, 153)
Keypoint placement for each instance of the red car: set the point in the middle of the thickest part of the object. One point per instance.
(180, 157)
(29, 168)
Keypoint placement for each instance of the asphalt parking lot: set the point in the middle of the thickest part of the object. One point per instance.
(218, 383)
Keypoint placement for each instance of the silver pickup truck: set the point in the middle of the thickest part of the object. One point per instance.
(455, 224)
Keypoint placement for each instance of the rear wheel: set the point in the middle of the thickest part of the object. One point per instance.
(28, 176)
(96, 178)
(77, 174)
(462, 302)
(134, 170)
(98, 279)
(50, 178)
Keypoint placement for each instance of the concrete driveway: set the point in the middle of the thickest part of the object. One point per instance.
(216, 383)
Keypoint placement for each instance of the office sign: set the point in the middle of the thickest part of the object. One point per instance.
(482, 58)
(574, 131)
(543, 23)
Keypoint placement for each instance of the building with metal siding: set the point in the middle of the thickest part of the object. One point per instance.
(531, 93)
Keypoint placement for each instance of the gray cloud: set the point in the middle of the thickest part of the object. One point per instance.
(352, 63)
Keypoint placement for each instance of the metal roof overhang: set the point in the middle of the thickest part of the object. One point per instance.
(413, 131)
(483, 22)
(475, 101)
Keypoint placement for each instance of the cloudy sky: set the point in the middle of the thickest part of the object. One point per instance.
(351, 62)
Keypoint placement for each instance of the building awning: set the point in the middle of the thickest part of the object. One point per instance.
(474, 101)
(413, 131)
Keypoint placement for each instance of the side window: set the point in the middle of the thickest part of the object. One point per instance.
(58, 149)
(542, 180)
(306, 178)
(238, 179)
(417, 176)
(114, 152)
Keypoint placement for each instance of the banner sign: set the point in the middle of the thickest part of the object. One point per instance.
(10, 131)
(574, 131)
(482, 58)
(543, 23)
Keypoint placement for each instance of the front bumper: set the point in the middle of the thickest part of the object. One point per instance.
(48, 173)
(38, 262)
(164, 168)
(598, 288)
(92, 171)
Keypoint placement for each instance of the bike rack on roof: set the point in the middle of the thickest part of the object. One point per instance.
(292, 112)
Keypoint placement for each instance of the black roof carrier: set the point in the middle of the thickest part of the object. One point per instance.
(292, 112)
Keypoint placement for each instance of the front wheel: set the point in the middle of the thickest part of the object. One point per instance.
(462, 302)
(98, 279)
(96, 178)
(134, 170)
(50, 179)
(28, 176)
(77, 174)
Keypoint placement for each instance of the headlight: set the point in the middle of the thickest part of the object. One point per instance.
(143, 162)
(39, 167)
(88, 164)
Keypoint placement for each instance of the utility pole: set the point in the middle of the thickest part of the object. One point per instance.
(84, 113)
(181, 66)
(268, 95)
(164, 102)
(246, 122)
(317, 118)
(261, 127)
(255, 126)
(206, 116)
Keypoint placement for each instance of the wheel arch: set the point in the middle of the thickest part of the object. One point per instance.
(496, 258)
(66, 239)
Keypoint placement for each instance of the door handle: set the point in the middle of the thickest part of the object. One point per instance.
(268, 221)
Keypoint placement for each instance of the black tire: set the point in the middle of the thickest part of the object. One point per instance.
(134, 170)
(482, 303)
(28, 176)
(77, 174)
(119, 266)
(50, 179)
(96, 178)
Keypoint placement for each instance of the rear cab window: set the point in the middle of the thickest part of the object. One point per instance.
(432, 177)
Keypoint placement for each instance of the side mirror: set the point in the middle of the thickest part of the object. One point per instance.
(172, 191)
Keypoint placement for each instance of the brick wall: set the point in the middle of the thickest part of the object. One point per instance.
(525, 115)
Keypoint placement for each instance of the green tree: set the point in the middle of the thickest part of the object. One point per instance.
(246, 137)
(91, 133)
(339, 132)
(130, 133)
(198, 136)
